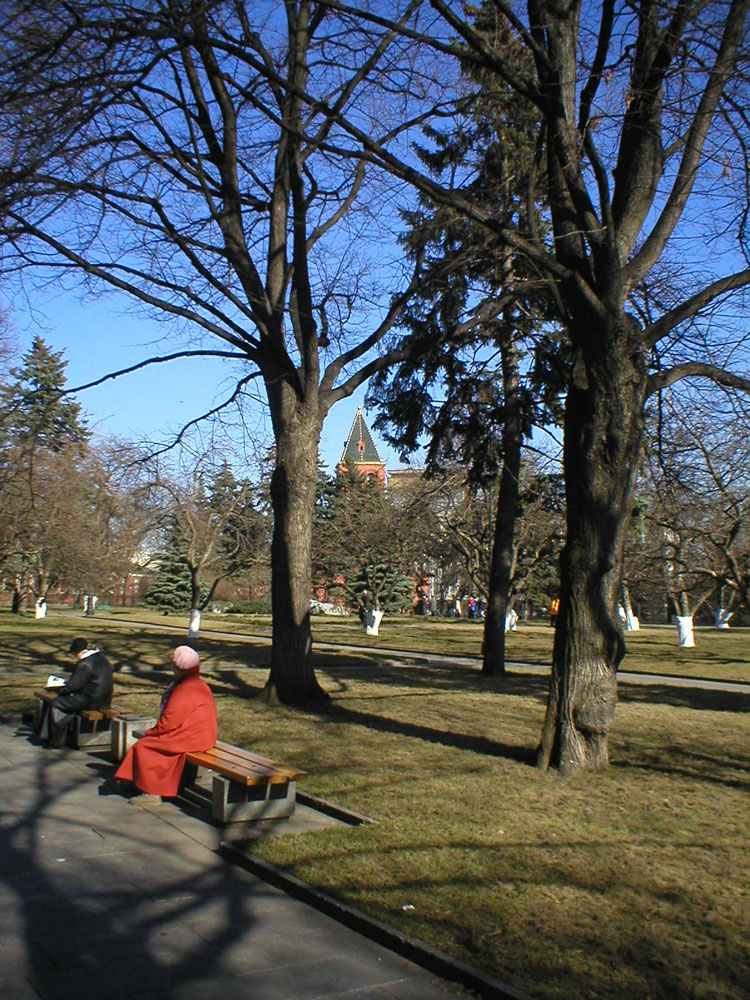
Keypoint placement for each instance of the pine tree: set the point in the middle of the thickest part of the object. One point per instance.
(360, 541)
(479, 336)
(40, 424)
(170, 589)
(40, 414)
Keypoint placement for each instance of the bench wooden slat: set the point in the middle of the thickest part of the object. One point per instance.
(235, 772)
(244, 772)
(214, 758)
(277, 772)
(249, 758)
(249, 754)
(244, 766)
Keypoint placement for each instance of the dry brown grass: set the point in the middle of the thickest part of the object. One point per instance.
(628, 884)
(718, 655)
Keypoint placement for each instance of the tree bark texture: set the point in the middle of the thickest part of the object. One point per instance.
(502, 561)
(292, 679)
(602, 450)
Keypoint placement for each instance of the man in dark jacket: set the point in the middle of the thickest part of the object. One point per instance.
(89, 686)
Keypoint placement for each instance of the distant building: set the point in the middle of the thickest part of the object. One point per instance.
(401, 479)
(361, 453)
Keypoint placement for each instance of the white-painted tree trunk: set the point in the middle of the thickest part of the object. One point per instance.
(625, 611)
(194, 627)
(40, 611)
(721, 617)
(373, 629)
(685, 631)
(511, 620)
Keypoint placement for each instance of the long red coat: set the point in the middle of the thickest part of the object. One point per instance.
(188, 722)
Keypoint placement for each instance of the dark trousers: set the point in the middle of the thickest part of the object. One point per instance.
(57, 717)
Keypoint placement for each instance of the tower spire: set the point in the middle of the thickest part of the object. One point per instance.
(360, 451)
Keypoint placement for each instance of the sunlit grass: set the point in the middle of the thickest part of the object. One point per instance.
(718, 655)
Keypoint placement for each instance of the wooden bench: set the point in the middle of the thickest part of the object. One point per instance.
(91, 726)
(247, 786)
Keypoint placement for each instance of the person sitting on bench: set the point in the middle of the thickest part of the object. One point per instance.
(187, 723)
(89, 686)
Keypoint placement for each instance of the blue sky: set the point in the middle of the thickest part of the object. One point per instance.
(99, 336)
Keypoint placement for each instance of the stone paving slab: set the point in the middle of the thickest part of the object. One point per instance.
(100, 899)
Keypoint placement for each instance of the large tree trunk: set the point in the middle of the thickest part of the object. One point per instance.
(501, 567)
(292, 679)
(602, 450)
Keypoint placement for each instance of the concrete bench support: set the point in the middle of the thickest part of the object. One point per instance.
(90, 732)
(122, 736)
(232, 802)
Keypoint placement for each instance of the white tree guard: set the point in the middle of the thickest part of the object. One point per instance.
(685, 631)
(721, 617)
(373, 629)
(194, 628)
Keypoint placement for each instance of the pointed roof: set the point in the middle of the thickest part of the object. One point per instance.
(360, 446)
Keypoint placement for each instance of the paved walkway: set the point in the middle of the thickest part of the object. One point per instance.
(101, 899)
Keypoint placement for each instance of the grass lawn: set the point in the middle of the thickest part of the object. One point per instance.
(717, 655)
(629, 884)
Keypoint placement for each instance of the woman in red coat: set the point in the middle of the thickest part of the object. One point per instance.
(187, 722)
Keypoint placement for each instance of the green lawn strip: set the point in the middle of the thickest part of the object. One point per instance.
(628, 884)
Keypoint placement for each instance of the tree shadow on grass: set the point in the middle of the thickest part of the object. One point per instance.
(425, 676)
(402, 682)
(731, 770)
(335, 712)
(701, 699)
(132, 650)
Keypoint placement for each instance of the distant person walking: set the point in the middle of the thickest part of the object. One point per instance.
(554, 611)
(365, 612)
(89, 686)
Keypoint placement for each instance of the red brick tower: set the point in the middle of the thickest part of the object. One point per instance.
(360, 452)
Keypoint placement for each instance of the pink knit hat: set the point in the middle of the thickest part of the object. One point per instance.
(186, 659)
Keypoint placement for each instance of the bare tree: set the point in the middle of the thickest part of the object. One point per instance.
(117, 518)
(464, 514)
(693, 504)
(194, 178)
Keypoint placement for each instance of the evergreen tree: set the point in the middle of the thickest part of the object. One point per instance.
(170, 590)
(40, 414)
(42, 430)
(362, 539)
(483, 364)
(244, 527)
